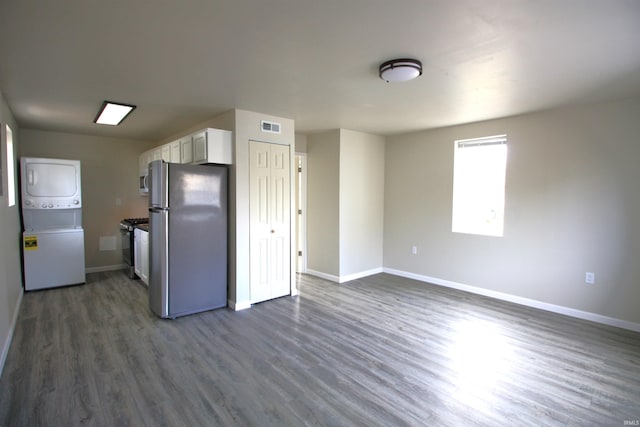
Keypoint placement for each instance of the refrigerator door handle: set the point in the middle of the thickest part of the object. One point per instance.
(158, 184)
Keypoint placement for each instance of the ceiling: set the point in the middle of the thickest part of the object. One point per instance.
(183, 62)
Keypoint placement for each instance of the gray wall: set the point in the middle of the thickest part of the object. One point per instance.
(323, 202)
(345, 199)
(301, 143)
(361, 202)
(572, 206)
(109, 185)
(10, 240)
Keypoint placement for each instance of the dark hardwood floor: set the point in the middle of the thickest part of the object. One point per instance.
(380, 351)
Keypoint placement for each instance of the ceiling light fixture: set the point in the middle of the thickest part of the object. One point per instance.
(400, 70)
(113, 113)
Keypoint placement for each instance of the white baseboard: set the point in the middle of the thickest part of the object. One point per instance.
(360, 275)
(237, 306)
(104, 268)
(9, 339)
(322, 275)
(344, 279)
(594, 317)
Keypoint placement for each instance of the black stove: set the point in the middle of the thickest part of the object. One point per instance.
(126, 229)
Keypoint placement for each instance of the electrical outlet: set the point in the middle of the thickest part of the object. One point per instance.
(414, 250)
(589, 278)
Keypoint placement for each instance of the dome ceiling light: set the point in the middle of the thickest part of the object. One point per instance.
(400, 70)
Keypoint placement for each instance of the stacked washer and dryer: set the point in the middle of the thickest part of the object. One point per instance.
(53, 237)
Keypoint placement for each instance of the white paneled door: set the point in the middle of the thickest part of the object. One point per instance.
(270, 228)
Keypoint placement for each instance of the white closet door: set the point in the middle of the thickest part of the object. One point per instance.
(270, 226)
(280, 221)
(260, 227)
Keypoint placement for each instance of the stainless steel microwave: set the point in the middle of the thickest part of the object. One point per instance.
(143, 185)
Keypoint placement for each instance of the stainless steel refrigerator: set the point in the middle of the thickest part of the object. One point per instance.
(187, 238)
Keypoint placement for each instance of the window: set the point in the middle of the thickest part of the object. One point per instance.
(479, 172)
(11, 176)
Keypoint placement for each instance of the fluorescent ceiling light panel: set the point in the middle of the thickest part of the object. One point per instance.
(113, 113)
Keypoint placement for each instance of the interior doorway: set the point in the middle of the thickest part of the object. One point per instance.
(301, 212)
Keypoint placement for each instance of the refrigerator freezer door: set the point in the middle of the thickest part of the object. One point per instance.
(53, 258)
(158, 262)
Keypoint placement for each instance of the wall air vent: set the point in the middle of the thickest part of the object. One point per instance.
(271, 127)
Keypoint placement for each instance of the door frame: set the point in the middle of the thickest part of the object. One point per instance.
(301, 204)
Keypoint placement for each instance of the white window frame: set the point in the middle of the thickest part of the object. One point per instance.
(11, 174)
(479, 179)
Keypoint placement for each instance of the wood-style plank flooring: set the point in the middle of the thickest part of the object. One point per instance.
(380, 351)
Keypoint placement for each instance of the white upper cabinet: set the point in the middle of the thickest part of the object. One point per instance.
(205, 146)
(186, 147)
(199, 147)
(143, 162)
(166, 153)
(156, 153)
(212, 146)
(176, 156)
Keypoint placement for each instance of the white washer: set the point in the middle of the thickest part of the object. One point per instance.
(53, 258)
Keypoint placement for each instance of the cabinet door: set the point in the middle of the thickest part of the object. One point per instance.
(176, 156)
(143, 162)
(186, 146)
(149, 156)
(157, 154)
(144, 257)
(137, 251)
(270, 221)
(166, 152)
(199, 147)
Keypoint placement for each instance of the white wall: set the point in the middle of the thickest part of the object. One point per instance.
(572, 206)
(10, 241)
(361, 202)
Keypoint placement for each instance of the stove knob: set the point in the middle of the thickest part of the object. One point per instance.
(76, 202)
(27, 202)
(50, 205)
(44, 205)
